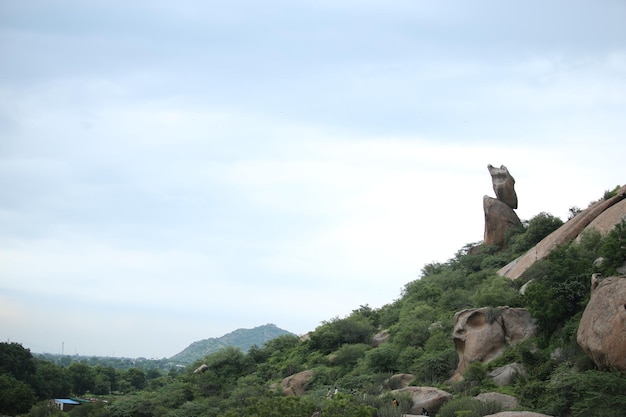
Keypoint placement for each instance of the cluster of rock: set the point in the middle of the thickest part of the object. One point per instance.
(483, 334)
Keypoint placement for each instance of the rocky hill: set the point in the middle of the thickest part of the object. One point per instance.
(240, 338)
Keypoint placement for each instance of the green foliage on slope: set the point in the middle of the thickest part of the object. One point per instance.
(241, 338)
(560, 380)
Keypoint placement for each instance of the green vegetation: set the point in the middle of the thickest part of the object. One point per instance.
(340, 351)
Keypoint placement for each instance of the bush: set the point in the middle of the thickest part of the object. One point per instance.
(468, 407)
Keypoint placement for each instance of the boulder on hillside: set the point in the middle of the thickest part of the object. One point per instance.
(296, 384)
(430, 398)
(482, 334)
(380, 338)
(200, 369)
(602, 328)
(503, 185)
(507, 402)
(517, 414)
(505, 375)
(400, 380)
(499, 218)
(566, 233)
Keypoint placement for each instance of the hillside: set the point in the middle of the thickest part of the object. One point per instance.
(241, 338)
(415, 349)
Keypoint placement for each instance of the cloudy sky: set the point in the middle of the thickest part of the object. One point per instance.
(171, 171)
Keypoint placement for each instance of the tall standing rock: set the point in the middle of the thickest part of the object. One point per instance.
(503, 185)
(499, 214)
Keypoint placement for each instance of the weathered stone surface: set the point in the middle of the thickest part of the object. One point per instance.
(202, 368)
(503, 185)
(400, 380)
(481, 334)
(380, 338)
(429, 398)
(296, 384)
(505, 375)
(602, 328)
(517, 414)
(507, 402)
(566, 233)
(607, 220)
(499, 218)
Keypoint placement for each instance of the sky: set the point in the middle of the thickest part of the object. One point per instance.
(171, 171)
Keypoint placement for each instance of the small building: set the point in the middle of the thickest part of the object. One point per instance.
(65, 404)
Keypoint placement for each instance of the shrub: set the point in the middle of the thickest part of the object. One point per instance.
(468, 407)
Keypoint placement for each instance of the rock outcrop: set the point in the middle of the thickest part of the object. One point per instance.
(598, 213)
(296, 384)
(482, 334)
(499, 214)
(498, 219)
(429, 398)
(602, 328)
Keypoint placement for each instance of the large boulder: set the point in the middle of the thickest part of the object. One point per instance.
(499, 218)
(296, 384)
(482, 334)
(503, 185)
(430, 398)
(602, 328)
(569, 231)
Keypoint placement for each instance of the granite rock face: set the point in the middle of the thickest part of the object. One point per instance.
(296, 384)
(482, 334)
(499, 218)
(602, 328)
(602, 215)
(503, 185)
(430, 398)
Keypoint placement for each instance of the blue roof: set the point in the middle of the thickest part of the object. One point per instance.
(66, 401)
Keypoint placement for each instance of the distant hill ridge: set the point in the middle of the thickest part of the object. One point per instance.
(240, 338)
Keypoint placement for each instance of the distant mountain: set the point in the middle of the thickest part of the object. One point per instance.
(240, 338)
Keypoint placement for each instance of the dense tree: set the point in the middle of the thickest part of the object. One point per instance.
(16, 361)
(83, 378)
(16, 397)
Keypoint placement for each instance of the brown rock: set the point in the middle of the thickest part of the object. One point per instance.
(517, 414)
(607, 220)
(499, 218)
(296, 384)
(429, 398)
(481, 334)
(602, 328)
(503, 185)
(566, 233)
(507, 402)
